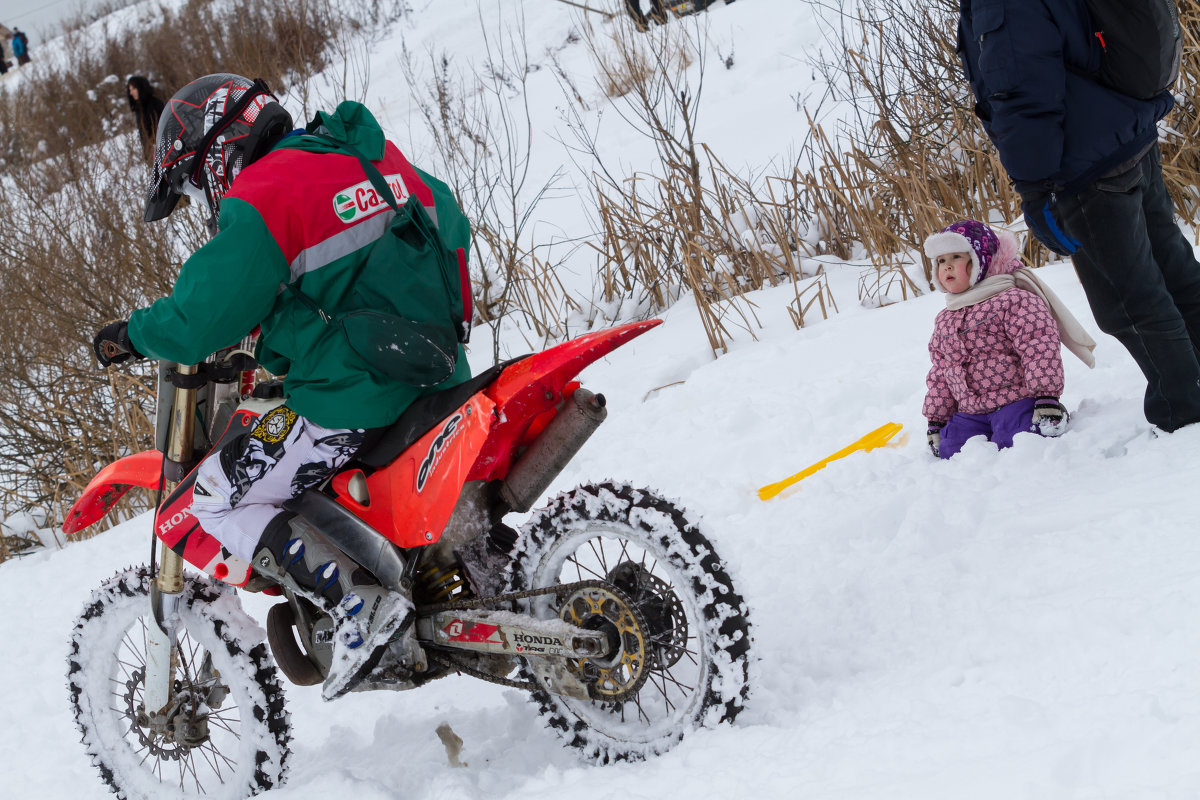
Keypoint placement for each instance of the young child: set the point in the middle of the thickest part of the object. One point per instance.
(997, 370)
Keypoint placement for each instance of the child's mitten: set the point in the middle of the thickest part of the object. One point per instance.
(934, 434)
(1050, 416)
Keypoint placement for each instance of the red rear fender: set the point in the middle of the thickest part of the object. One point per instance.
(110, 485)
(534, 386)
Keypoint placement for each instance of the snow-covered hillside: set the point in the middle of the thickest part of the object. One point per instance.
(1007, 625)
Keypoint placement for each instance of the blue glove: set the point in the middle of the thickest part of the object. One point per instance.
(1039, 217)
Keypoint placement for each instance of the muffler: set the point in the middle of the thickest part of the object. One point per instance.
(574, 423)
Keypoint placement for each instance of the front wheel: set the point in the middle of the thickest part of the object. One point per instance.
(225, 733)
(680, 633)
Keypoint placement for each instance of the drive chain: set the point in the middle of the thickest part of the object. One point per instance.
(508, 597)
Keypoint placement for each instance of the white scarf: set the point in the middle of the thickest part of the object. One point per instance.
(1070, 332)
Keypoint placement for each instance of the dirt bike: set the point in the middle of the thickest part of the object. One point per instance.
(609, 607)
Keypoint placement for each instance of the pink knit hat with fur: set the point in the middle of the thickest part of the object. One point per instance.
(992, 252)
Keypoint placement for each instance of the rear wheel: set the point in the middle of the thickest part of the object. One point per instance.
(679, 631)
(225, 732)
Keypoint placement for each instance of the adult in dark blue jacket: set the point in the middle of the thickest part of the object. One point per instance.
(1085, 159)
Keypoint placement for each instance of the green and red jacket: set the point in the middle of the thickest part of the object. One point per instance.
(303, 214)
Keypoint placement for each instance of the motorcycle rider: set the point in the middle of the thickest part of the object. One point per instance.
(280, 211)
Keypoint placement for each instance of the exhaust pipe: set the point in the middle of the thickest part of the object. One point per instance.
(574, 423)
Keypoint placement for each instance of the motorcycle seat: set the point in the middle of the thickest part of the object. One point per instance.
(419, 418)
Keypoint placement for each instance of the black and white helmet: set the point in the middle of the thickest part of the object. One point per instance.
(209, 130)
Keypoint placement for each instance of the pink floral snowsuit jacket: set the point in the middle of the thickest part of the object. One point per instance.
(993, 353)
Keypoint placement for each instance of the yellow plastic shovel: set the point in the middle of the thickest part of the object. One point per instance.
(876, 438)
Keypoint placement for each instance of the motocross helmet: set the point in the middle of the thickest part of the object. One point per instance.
(209, 131)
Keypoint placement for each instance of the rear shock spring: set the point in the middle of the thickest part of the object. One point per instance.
(441, 584)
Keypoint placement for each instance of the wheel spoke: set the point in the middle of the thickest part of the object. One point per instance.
(138, 655)
(207, 755)
(669, 677)
(580, 570)
(222, 724)
(624, 550)
(196, 777)
(597, 546)
(642, 715)
(230, 763)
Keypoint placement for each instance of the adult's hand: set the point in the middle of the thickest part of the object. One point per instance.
(1039, 209)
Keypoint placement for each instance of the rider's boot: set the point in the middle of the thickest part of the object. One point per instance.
(366, 615)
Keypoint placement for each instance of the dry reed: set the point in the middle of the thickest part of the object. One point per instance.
(75, 252)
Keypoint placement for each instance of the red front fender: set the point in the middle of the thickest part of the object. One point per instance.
(110, 485)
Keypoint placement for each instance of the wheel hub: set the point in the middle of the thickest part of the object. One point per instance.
(621, 671)
(660, 606)
(169, 734)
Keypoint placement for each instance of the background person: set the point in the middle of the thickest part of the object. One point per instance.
(20, 47)
(146, 108)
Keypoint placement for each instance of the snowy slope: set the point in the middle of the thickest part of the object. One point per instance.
(1002, 625)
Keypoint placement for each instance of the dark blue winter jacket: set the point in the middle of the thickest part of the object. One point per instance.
(1053, 126)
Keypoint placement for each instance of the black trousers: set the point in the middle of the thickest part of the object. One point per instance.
(657, 13)
(1142, 280)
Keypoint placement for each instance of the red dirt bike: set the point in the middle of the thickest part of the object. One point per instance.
(609, 606)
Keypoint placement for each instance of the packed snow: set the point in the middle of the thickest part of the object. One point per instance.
(1002, 625)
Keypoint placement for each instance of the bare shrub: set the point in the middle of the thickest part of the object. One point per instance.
(1181, 145)
(82, 102)
(482, 131)
(76, 253)
(915, 157)
(689, 223)
(78, 256)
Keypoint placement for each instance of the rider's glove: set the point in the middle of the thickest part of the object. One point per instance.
(1050, 416)
(1039, 207)
(934, 435)
(112, 344)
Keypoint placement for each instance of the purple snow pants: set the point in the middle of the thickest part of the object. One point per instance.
(999, 427)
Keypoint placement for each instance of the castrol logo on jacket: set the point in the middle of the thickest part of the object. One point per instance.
(361, 200)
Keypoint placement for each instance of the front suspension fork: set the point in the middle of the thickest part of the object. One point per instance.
(162, 651)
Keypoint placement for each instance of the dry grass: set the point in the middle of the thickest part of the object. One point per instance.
(912, 158)
(676, 228)
(482, 130)
(76, 252)
(1181, 150)
(917, 157)
(84, 103)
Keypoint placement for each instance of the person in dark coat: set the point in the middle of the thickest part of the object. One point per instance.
(146, 107)
(1086, 162)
